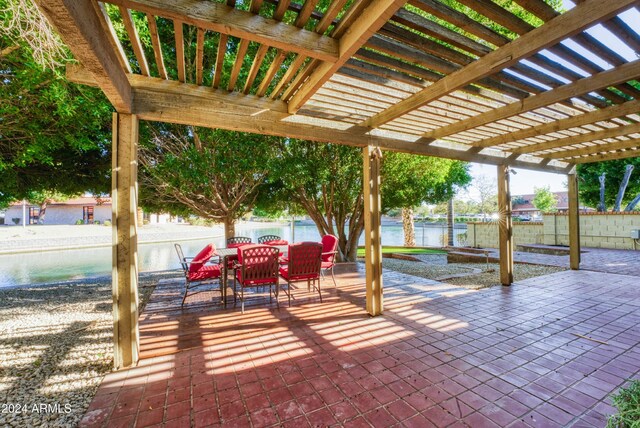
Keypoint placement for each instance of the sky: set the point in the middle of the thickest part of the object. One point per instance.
(525, 181)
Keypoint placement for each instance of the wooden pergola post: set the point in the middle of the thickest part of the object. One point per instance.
(124, 196)
(574, 221)
(505, 226)
(371, 157)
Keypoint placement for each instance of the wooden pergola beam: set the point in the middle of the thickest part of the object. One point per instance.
(610, 77)
(170, 101)
(549, 34)
(601, 157)
(574, 221)
(219, 17)
(630, 107)
(370, 21)
(81, 28)
(595, 149)
(579, 139)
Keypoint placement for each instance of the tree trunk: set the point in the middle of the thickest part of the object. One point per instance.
(450, 222)
(42, 212)
(601, 206)
(229, 227)
(632, 205)
(623, 187)
(408, 227)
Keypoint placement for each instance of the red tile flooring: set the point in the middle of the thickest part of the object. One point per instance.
(440, 356)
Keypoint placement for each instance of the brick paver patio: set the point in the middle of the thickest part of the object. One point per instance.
(544, 352)
(625, 262)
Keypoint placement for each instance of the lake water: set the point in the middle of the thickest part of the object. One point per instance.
(51, 266)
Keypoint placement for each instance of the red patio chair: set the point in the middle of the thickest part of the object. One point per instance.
(303, 265)
(257, 266)
(196, 272)
(329, 251)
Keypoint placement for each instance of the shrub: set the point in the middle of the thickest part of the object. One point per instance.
(79, 222)
(96, 222)
(15, 220)
(627, 401)
(107, 223)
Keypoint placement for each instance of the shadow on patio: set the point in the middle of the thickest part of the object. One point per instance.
(441, 355)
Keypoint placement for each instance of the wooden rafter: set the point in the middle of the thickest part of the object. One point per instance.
(237, 65)
(630, 107)
(372, 18)
(620, 74)
(601, 157)
(550, 34)
(288, 75)
(132, 32)
(221, 18)
(179, 39)
(157, 47)
(81, 28)
(617, 131)
(222, 49)
(594, 149)
(199, 55)
(255, 66)
(271, 72)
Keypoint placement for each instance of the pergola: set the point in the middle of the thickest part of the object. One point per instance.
(419, 77)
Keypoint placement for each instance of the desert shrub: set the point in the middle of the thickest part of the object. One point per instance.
(627, 401)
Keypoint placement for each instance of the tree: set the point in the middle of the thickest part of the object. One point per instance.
(614, 172)
(410, 180)
(544, 199)
(54, 135)
(214, 174)
(325, 180)
(487, 195)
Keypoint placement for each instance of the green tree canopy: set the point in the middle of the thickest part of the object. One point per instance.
(54, 135)
(589, 186)
(214, 174)
(544, 199)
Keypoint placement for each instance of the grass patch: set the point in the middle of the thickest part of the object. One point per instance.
(627, 401)
(404, 250)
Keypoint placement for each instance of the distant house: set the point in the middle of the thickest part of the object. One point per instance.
(87, 210)
(522, 205)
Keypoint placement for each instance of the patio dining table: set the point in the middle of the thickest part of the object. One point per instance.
(229, 254)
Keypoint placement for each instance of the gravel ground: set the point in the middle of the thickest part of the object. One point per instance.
(55, 348)
(473, 275)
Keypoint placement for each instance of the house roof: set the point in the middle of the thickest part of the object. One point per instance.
(84, 201)
(476, 83)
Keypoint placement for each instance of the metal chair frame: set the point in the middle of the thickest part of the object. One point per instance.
(238, 240)
(259, 262)
(185, 263)
(268, 238)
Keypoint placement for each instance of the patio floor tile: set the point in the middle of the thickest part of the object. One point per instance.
(441, 355)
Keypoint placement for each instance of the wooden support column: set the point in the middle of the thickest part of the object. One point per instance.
(505, 226)
(574, 221)
(124, 196)
(371, 157)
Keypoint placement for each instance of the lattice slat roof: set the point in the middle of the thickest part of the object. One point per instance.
(501, 82)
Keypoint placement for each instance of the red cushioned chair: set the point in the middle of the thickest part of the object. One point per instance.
(329, 251)
(257, 266)
(304, 259)
(196, 270)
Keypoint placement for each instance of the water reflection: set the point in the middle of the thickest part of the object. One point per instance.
(34, 268)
